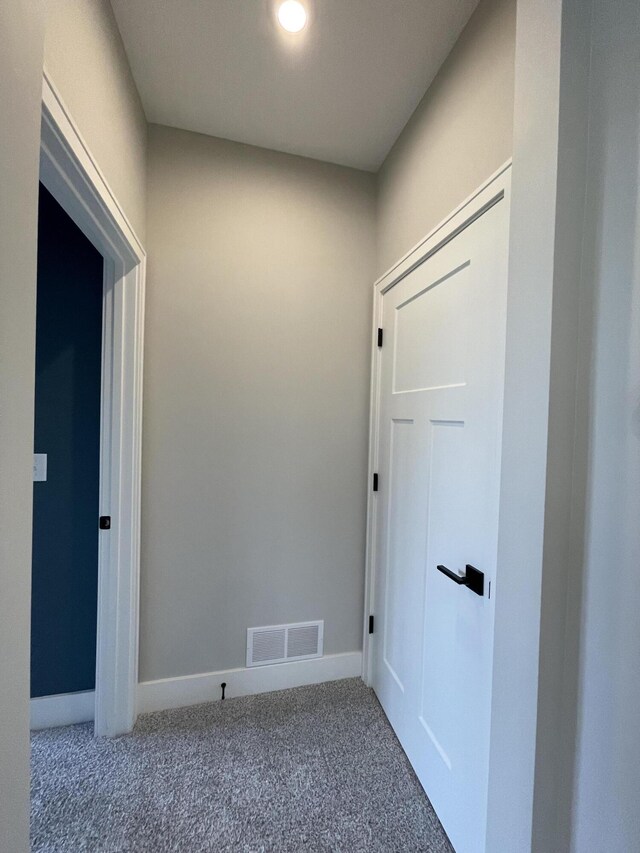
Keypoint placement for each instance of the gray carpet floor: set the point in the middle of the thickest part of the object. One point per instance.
(310, 769)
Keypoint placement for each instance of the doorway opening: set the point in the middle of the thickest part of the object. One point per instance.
(75, 183)
(64, 585)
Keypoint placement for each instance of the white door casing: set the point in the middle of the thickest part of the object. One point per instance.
(437, 436)
(72, 176)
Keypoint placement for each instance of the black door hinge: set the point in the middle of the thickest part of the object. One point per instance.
(105, 522)
(371, 624)
(375, 482)
(380, 336)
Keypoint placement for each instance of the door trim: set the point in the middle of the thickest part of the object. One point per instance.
(63, 709)
(72, 176)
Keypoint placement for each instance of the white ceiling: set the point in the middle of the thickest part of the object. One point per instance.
(341, 91)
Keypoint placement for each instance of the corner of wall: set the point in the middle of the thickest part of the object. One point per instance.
(458, 136)
(86, 61)
(567, 455)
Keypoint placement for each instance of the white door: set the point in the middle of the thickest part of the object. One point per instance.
(441, 392)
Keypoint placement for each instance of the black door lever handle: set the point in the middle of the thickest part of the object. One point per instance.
(461, 579)
(474, 579)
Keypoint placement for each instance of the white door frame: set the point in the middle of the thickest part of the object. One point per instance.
(508, 668)
(496, 188)
(72, 176)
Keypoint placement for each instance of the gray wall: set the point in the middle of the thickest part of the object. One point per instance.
(588, 751)
(85, 58)
(256, 399)
(564, 492)
(22, 31)
(606, 815)
(458, 136)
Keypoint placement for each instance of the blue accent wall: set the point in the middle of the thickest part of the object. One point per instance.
(67, 428)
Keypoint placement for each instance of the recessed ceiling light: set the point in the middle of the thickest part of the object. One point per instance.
(292, 16)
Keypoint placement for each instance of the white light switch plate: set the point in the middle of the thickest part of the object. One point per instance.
(39, 467)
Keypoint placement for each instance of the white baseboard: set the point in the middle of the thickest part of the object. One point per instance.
(205, 687)
(65, 709)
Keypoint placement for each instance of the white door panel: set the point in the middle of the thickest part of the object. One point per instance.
(442, 376)
(418, 363)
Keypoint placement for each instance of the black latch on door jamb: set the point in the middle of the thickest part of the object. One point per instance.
(375, 482)
(380, 336)
(105, 522)
(371, 624)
